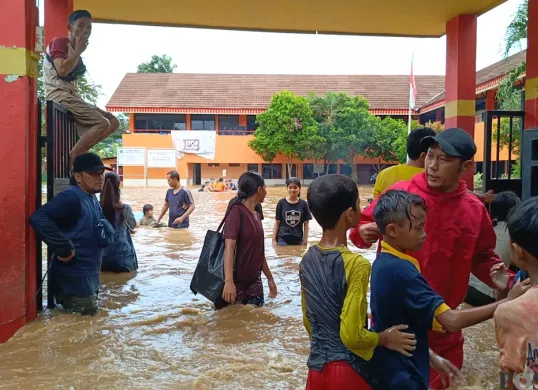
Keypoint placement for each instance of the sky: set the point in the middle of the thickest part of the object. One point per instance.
(115, 50)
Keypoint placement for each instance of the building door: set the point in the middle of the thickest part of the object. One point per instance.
(197, 174)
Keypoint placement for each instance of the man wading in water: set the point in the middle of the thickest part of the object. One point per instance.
(62, 67)
(72, 226)
(179, 201)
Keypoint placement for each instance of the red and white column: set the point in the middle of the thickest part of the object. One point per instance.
(460, 82)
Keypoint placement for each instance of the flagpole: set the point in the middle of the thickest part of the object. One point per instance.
(410, 108)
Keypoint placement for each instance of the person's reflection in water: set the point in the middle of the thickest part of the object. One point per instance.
(121, 255)
(244, 241)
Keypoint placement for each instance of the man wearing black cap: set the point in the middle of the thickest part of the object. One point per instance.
(460, 236)
(72, 226)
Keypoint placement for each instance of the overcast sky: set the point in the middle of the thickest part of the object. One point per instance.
(117, 49)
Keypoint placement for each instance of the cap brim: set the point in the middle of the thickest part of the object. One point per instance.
(97, 168)
(444, 145)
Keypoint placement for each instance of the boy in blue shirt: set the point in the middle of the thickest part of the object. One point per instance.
(401, 295)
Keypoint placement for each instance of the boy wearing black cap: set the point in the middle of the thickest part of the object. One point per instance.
(72, 226)
(460, 240)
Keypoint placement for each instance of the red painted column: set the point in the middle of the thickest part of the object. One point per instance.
(531, 83)
(460, 81)
(18, 153)
(490, 99)
(56, 18)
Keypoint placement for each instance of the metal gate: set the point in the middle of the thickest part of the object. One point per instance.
(61, 136)
(502, 148)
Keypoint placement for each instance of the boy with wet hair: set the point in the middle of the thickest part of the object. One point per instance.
(147, 219)
(334, 284)
(400, 294)
(517, 321)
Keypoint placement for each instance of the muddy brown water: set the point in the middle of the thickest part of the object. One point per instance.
(153, 333)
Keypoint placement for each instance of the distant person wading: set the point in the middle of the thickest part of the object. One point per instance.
(178, 202)
(121, 255)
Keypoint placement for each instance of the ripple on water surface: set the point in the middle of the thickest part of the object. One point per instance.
(153, 333)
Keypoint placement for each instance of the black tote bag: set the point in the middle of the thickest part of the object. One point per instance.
(208, 278)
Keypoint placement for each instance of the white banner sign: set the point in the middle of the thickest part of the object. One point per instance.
(199, 142)
(132, 156)
(161, 158)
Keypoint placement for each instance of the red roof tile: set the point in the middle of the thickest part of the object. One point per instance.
(254, 91)
(182, 90)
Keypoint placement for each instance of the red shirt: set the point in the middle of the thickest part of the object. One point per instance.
(246, 229)
(460, 238)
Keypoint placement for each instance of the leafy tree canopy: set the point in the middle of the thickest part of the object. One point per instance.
(157, 64)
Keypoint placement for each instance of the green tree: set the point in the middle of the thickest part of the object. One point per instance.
(381, 137)
(326, 110)
(287, 127)
(157, 64)
(353, 126)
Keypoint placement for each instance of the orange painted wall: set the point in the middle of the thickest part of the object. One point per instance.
(479, 141)
(216, 172)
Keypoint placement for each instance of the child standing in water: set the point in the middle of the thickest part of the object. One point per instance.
(517, 321)
(292, 217)
(334, 285)
(147, 219)
(400, 294)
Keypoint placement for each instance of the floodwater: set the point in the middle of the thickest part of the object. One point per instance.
(153, 333)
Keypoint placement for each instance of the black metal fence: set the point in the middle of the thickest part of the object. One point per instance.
(502, 133)
(61, 136)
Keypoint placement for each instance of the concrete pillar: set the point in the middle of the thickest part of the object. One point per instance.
(57, 18)
(18, 153)
(531, 83)
(460, 82)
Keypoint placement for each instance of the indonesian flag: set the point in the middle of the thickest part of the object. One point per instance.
(412, 89)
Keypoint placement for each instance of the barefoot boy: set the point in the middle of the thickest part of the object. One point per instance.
(400, 294)
(334, 283)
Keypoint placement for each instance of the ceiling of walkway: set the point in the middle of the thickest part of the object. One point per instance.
(421, 18)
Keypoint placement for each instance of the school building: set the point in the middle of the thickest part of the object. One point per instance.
(161, 104)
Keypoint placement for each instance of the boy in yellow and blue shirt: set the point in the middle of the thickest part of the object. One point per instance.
(400, 294)
(334, 286)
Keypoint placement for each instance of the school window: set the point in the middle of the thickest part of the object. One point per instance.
(228, 122)
(272, 171)
(234, 165)
(332, 170)
(252, 168)
(293, 171)
(251, 122)
(213, 165)
(160, 122)
(345, 170)
(202, 122)
(308, 171)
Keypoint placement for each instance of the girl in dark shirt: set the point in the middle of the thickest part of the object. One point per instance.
(244, 245)
(292, 214)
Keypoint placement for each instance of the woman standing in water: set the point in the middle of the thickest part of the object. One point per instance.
(121, 255)
(244, 246)
(292, 214)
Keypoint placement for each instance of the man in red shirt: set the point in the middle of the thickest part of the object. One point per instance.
(460, 238)
(62, 67)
